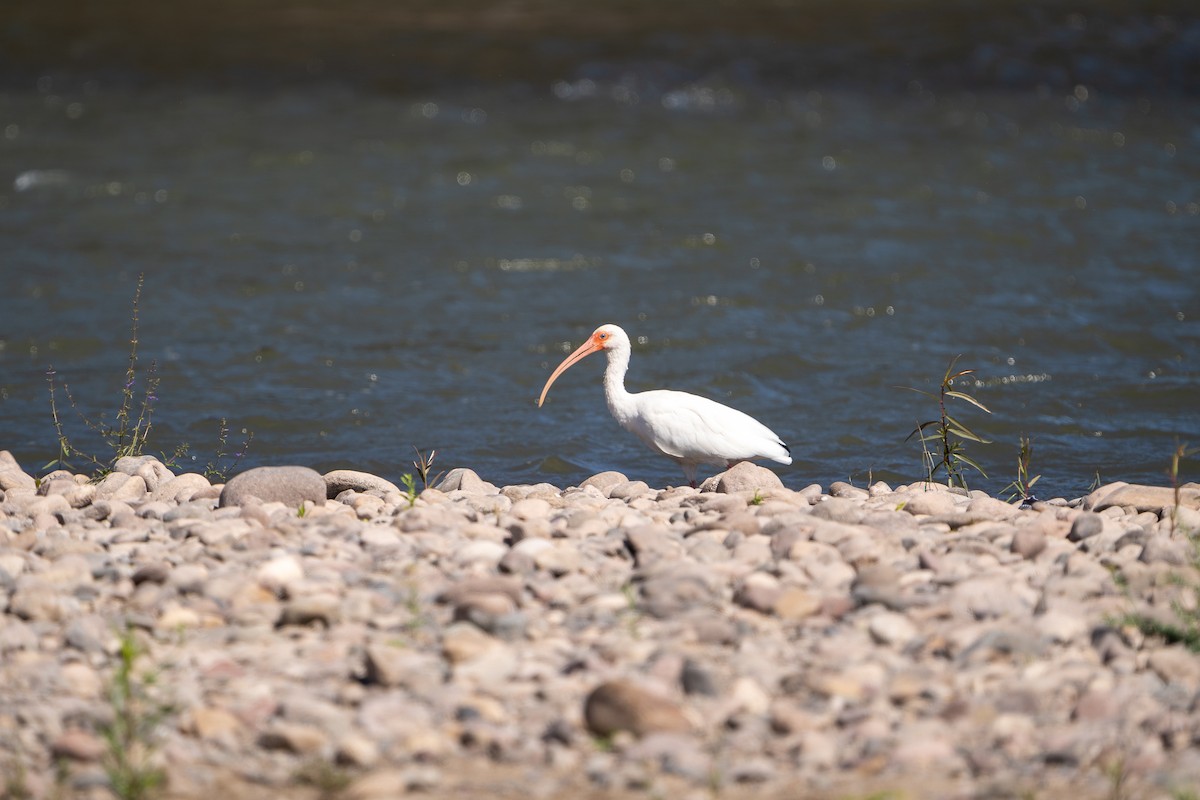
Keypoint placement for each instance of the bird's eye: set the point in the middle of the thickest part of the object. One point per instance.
(604, 336)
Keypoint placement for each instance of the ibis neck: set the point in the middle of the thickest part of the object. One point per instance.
(618, 398)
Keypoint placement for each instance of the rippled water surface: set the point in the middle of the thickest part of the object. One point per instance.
(350, 270)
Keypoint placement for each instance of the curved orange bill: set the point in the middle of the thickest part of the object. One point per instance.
(585, 349)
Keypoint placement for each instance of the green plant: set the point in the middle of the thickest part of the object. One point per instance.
(947, 433)
(410, 488)
(1022, 486)
(215, 470)
(129, 433)
(1182, 451)
(1185, 627)
(328, 779)
(15, 785)
(758, 498)
(1117, 772)
(127, 738)
(423, 464)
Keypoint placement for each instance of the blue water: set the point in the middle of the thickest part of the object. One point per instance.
(351, 271)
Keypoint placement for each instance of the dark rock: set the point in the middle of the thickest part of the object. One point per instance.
(696, 679)
(624, 706)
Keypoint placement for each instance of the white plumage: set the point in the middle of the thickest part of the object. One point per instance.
(688, 429)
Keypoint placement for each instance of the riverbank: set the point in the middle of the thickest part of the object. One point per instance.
(334, 636)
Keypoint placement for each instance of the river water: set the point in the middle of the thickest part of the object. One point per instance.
(352, 268)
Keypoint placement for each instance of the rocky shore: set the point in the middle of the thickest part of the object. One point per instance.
(334, 636)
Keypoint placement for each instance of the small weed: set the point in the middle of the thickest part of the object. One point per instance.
(410, 488)
(631, 612)
(129, 434)
(1022, 487)
(216, 470)
(423, 464)
(947, 433)
(301, 510)
(603, 744)
(15, 786)
(1096, 483)
(1118, 779)
(328, 779)
(1185, 628)
(127, 736)
(758, 498)
(1182, 451)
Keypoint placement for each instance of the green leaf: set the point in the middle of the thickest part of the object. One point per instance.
(970, 463)
(969, 399)
(920, 429)
(958, 429)
(963, 433)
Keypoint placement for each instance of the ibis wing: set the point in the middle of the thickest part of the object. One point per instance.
(687, 426)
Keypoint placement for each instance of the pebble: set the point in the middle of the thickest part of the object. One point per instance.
(755, 637)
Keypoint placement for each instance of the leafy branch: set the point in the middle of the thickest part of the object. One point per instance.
(946, 433)
(1022, 487)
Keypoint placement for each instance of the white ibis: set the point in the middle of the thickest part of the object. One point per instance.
(686, 428)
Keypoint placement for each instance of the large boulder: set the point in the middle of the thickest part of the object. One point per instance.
(291, 486)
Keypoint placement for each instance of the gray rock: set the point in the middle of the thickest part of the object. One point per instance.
(466, 480)
(604, 481)
(674, 753)
(339, 480)
(892, 629)
(744, 476)
(758, 591)
(1028, 541)
(843, 489)
(677, 588)
(1176, 664)
(121, 486)
(1166, 550)
(1146, 498)
(393, 666)
(181, 488)
(292, 486)
(322, 608)
(650, 545)
(12, 477)
(628, 490)
(1085, 526)
(76, 744)
(931, 501)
